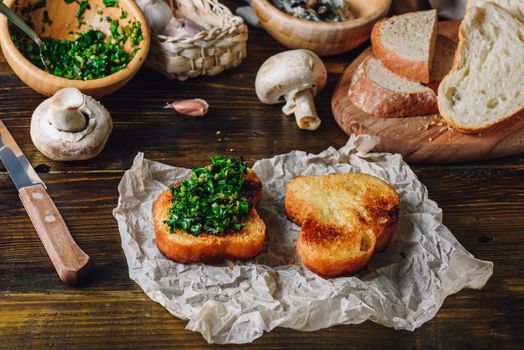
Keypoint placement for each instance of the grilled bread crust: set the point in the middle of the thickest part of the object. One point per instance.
(183, 247)
(344, 219)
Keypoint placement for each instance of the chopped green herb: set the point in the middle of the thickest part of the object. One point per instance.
(111, 3)
(40, 4)
(124, 15)
(91, 56)
(46, 18)
(84, 5)
(99, 11)
(212, 201)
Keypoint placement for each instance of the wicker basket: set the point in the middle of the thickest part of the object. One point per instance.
(221, 45)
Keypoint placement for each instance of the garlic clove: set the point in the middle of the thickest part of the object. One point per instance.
(157, 13)
(181, 27)
(191, 28)
(172, 28)
(193, 108)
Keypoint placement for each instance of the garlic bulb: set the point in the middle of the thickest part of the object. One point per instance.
(181, 27)
(157, 13)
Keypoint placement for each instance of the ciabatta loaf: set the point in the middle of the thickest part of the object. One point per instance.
(377, 91)
(344, 219)
(405, 43)
(515, 7)
(184, 247)
(485, 85)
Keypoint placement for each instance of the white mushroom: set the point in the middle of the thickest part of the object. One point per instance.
(296, 76)
(70, 126)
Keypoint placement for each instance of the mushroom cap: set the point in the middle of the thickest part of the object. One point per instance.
(289, 72)
(67, 146)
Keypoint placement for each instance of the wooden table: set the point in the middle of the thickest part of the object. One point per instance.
(483, 206)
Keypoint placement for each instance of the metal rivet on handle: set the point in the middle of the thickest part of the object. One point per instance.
(37, 195)
(49, 218)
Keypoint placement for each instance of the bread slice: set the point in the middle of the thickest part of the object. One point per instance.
(344, 219)
(405, 43)
(515, 7)
(485, 85)
(184, 247)
(442, 61)
(377, 91)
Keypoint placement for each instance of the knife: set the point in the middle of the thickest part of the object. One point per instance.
(70, 262)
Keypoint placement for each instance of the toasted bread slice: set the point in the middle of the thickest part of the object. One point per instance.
(378, 91)
(344, 219)
(484, 86)
(184, 247)
(405, 43)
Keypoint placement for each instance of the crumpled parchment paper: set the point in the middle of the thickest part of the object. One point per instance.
(235, 302)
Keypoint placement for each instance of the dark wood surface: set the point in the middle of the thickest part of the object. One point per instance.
(483, 205)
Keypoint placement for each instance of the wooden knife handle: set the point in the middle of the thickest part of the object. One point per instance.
(71, 263)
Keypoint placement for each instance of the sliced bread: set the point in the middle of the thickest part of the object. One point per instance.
(515, 7)
(344, 219)
(377, 91)
(183, 247)
(485, 85)
(405, 43)
(442, 61)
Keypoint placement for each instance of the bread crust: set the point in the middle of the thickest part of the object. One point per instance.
(446, 54)
(320, 241)
(379, 101)
(455, 66)
(412, 70)
(183, 247)
(318, 259)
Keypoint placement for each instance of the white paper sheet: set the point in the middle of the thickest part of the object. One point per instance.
(235, 302)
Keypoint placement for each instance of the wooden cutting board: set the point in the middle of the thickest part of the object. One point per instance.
(426, 139)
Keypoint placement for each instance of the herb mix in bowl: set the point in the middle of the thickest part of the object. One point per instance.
(212, 200)
(90, 54)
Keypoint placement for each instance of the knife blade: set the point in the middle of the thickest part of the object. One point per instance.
(70, 262)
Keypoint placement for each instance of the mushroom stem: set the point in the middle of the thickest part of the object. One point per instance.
(304, 110)
(64, 113)
(67, 120)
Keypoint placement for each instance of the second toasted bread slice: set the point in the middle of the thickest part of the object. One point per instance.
(344, 219)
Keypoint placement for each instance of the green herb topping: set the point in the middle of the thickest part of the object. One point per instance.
(84, 5)
(212, 201)
(90, 54)
(111, 3)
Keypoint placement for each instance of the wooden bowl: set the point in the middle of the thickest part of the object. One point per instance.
(323, 38)
(63, 22)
